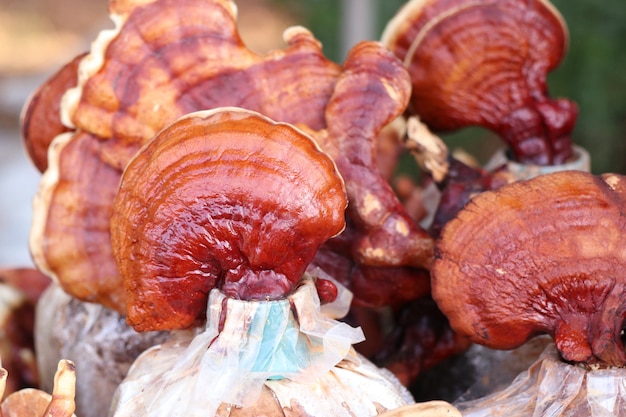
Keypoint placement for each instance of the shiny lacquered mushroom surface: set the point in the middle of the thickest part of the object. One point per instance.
(539, 256)
(485, 63)
(41, 115)
(166, 59)
(223, 199)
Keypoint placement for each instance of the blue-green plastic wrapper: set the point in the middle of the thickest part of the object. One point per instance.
(293, 347)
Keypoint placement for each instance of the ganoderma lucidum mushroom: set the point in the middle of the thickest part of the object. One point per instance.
(228, 208)
(207, 66)
(41, 116)
(485, 63)
(539, 256)
(165, 59)
(225, 199)
(37, 403)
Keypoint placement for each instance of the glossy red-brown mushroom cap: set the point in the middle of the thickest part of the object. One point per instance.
(225, 198)
(164, 59)
(545, 255)
(41, 115)
(485, 63)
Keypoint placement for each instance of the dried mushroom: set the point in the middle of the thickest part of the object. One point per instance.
(485, 63)
(539, 256)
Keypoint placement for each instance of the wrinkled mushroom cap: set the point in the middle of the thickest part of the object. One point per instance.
(225, 198)
(41, 116)
(545, 255)
(162, 60)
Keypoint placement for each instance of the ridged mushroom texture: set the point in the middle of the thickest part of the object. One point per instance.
(544, 255)
(485, 63)
(223, 199)
(41, 116)
(165, 59)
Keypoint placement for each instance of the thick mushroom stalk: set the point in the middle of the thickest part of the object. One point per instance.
(227, 199)
(539, 256)
(372, 91)
(485, 63)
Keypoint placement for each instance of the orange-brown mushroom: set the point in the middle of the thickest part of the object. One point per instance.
(165, 59)
(485, 63)
(372, 90)
(41, 115)
(168, 58)
(37, 403)
(225, 198)
(69, 236)
(539, 256)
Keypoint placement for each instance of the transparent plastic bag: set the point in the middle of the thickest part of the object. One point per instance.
(288, 346)
(551, 387)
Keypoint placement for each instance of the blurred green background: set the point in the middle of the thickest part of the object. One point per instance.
(593, 74)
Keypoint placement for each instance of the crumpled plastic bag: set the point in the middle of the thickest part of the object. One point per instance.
(289, 346)
(551, 387)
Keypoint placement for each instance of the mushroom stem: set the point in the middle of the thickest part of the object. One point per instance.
(428, 149)
(62, 404)
(571, 340)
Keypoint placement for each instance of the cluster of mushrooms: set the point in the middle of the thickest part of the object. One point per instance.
(224, 234)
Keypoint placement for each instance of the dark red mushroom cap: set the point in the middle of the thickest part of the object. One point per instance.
(227, 199)
(163, 59)
(485, 63)
(545, 255)
(41, 116)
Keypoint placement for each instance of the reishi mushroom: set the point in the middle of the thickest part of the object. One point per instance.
(119, 102)
(38, 403)
(539, 256)
(485, 63)
(41, 116)
(217, 218)
(165, 59)
(221, 199)
(372, 90)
